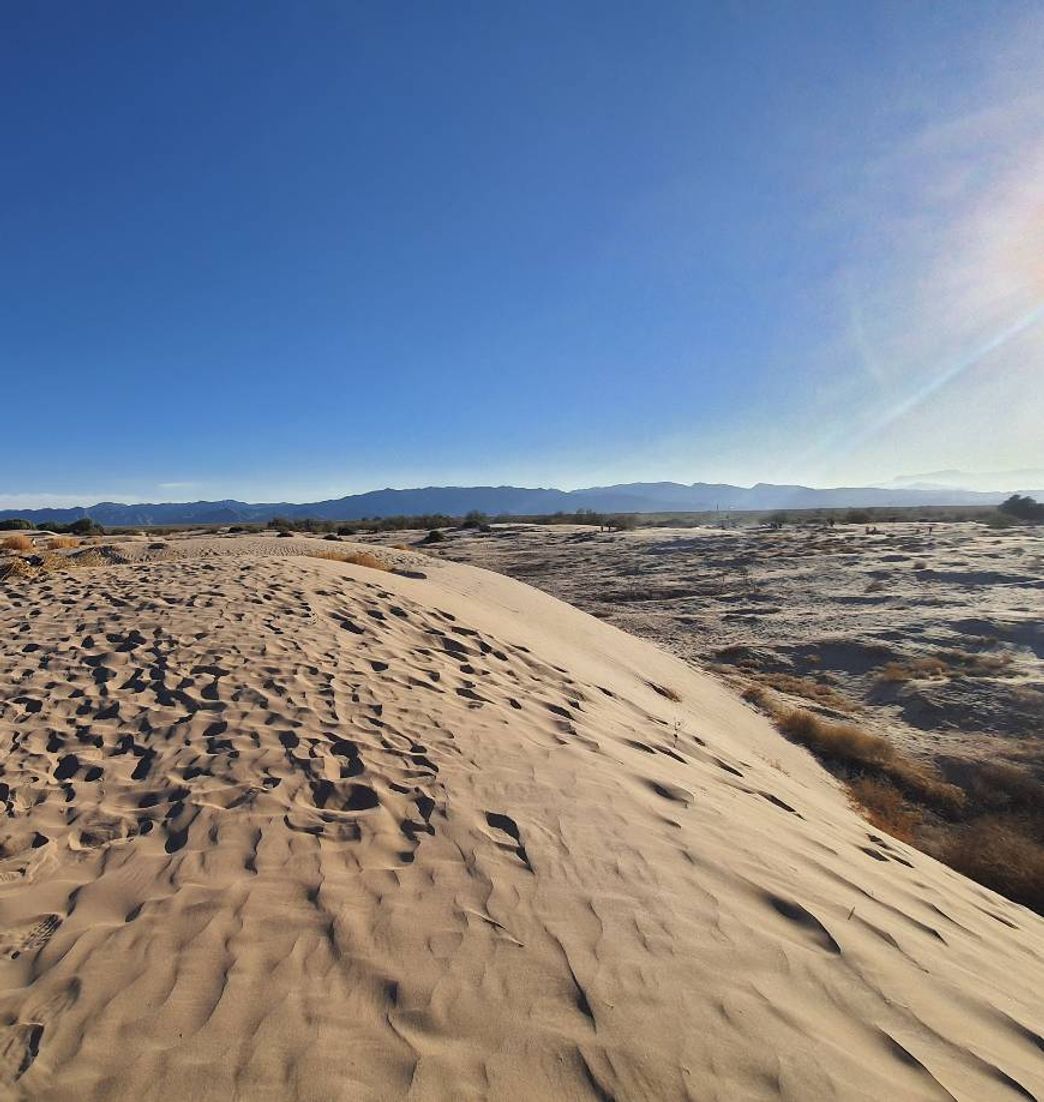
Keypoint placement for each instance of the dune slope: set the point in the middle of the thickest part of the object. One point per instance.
(283, 828)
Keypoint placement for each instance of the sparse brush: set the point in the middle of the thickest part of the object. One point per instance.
(840, 741)
(60, 543)
(856, 750)
(897, 673)
(16, 543)
(882, 804)
(14, 569)
(999, 851)
(806, 687)
(947, 663)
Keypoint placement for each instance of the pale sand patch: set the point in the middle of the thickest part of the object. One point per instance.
(280, 827)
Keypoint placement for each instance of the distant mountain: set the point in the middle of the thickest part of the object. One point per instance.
(634, 497)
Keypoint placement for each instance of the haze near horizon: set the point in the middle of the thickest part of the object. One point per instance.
(288, 253)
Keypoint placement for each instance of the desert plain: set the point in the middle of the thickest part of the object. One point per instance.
(289, 818)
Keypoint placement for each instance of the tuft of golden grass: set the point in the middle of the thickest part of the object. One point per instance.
(1000, 852)
(355, 558)
(59, 543)
(806, 687)
(16, 543)
(947, 663)
(882, 805)
(854, 750)
(898, 673)
(841, 741)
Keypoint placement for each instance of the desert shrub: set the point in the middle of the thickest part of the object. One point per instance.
(474, 519)
(855, 752)
(947, 663)
(1000, 852)
(284, 533)
(434, 536)
(901, 672)
(85, 527)
(59, 543)
(1023, 508)
(841, 742)
(1000, 787)
(13, 569)
(883, 805)
(17, 543)
(778, 520)
(806, 687)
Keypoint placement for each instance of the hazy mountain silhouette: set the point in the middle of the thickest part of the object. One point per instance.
(634, 497)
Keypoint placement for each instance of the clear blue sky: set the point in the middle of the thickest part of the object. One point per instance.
(299, 249)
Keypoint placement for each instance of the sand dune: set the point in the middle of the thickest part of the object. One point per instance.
(284, 828)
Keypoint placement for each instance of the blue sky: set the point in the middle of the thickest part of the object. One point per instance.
(296, 250)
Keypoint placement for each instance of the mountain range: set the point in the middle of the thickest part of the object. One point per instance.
(634, 497)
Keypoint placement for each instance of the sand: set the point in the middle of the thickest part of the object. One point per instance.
(285, 828)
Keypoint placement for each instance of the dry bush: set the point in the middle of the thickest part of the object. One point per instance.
(978, 665)
(998, 786)
(1000, 852)
(757, 696)
(882, 804)
(59, 543)
(16, 543)
(875, 586)
(897, 673)
(14, 569)
(816, 691)
(355, 558)
(840, 741)
(855, 750)
(50, 562)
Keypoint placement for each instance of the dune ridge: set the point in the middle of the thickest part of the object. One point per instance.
(283, 827)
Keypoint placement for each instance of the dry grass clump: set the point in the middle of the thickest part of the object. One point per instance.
(816, 691)
(841, 742)
(947, 663)
(60, 543)
(883, 805)
(14, 569)
(355, 558)
(898, 673)
(1002, 853)
(49, 563)
(857, 752)
(16, 543)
